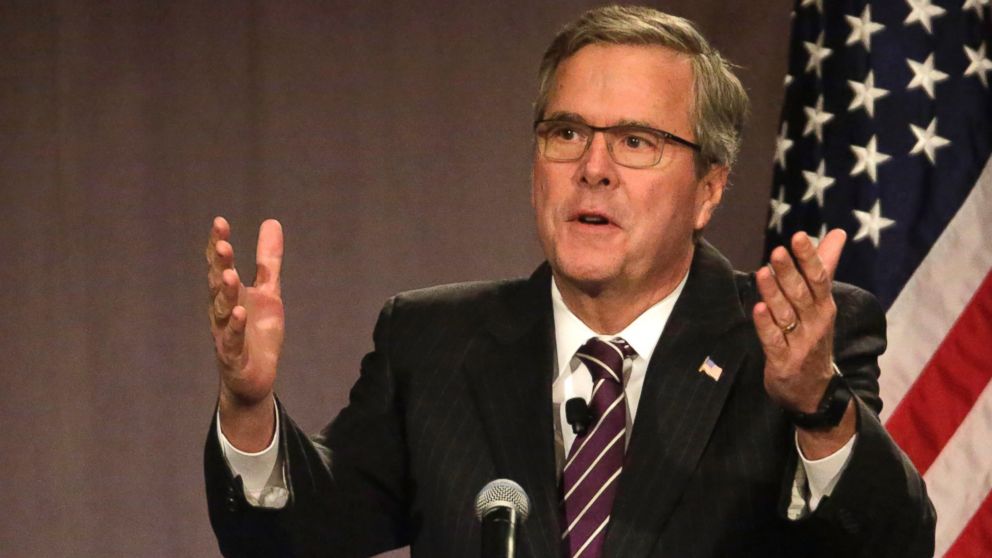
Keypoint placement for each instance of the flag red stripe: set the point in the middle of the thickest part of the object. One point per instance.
(947, 388)
(976, 539)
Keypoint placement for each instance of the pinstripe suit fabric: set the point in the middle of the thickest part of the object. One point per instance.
(458, 392)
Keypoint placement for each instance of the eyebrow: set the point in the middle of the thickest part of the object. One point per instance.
(566, 117)
(577, 118)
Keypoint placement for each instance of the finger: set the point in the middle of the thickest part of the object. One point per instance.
(227, 298)
(780, 310)
(233, 341)
(268, 256)
(219, 253)
(814, 272)
(223, 260)
(219, 230)
(791, 282)
(830, 249)
(775, 343)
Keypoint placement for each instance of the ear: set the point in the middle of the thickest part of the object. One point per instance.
(709, 194)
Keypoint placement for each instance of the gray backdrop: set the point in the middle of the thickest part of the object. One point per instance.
(393, 141)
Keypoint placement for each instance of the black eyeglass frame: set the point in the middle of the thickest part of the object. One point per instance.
(667, 136)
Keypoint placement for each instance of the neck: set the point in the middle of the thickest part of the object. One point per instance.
(608, 309)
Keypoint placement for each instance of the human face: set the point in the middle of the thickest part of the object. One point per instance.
(604, 226)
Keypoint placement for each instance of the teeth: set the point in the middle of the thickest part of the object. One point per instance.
(592, 219)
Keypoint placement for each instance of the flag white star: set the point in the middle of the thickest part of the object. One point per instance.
(976, 6)
(779, 209)
(869, 157)
(865, 94)
(928, 141)
(978, 65)
(923, 11)
(782, 145)
(817, 3)
(787, 81)
(925, 75)
(862, 28)
(817, 54)
(871, 223)
(816, 117)
(817, 183)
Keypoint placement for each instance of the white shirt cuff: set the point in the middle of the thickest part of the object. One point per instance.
(823, 474)
(260, 472)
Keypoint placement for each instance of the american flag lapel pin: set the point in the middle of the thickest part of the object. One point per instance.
(711, 369)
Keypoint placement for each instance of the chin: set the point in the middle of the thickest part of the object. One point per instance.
(589, 274)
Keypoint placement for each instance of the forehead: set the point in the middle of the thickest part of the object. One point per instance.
(608, 84)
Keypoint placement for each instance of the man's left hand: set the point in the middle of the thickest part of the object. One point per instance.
(795, 323)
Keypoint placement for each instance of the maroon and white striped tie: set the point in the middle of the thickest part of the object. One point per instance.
(589, 482)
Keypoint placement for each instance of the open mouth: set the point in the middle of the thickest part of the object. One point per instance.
(593, 218)
(589, 219)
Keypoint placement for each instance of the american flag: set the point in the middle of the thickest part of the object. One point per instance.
(886, 132)
(711, 369)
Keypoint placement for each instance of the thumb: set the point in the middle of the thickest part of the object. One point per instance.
(268, 256)
(830, 248)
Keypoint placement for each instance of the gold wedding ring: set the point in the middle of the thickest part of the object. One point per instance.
(787, 329)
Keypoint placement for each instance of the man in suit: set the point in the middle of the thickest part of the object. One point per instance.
(744, 410)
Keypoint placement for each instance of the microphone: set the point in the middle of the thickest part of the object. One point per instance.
(578, 415)
(500, 506)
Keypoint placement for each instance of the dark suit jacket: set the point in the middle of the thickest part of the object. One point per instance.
(458, 392)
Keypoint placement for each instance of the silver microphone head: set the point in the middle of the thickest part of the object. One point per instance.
(502, 493)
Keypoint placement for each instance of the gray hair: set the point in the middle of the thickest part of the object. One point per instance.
(720, 104)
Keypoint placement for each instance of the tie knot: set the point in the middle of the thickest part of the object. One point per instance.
(604, 359)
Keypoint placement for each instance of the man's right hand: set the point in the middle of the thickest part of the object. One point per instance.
(248, 325)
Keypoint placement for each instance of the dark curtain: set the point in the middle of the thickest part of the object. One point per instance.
(392, 140)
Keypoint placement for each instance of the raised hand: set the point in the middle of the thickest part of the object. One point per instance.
(795, 323)
(248, 325)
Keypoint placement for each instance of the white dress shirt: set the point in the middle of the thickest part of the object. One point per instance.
(261, 472)
(573, 379)
(265, 486)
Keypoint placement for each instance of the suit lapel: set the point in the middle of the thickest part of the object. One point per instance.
(679, 405)
(510, 368)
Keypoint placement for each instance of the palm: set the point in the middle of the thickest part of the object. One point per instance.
(264, 333)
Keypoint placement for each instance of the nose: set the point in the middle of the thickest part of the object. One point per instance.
(598, 168)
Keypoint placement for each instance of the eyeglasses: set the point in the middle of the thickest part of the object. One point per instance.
(636, 147)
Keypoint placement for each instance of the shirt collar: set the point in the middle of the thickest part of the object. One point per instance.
(642, 334)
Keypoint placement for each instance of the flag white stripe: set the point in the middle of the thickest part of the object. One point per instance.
(961, 476)
(592, 537)
(594, 429)
(595, 497)
(593, 464)
(937, 293)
